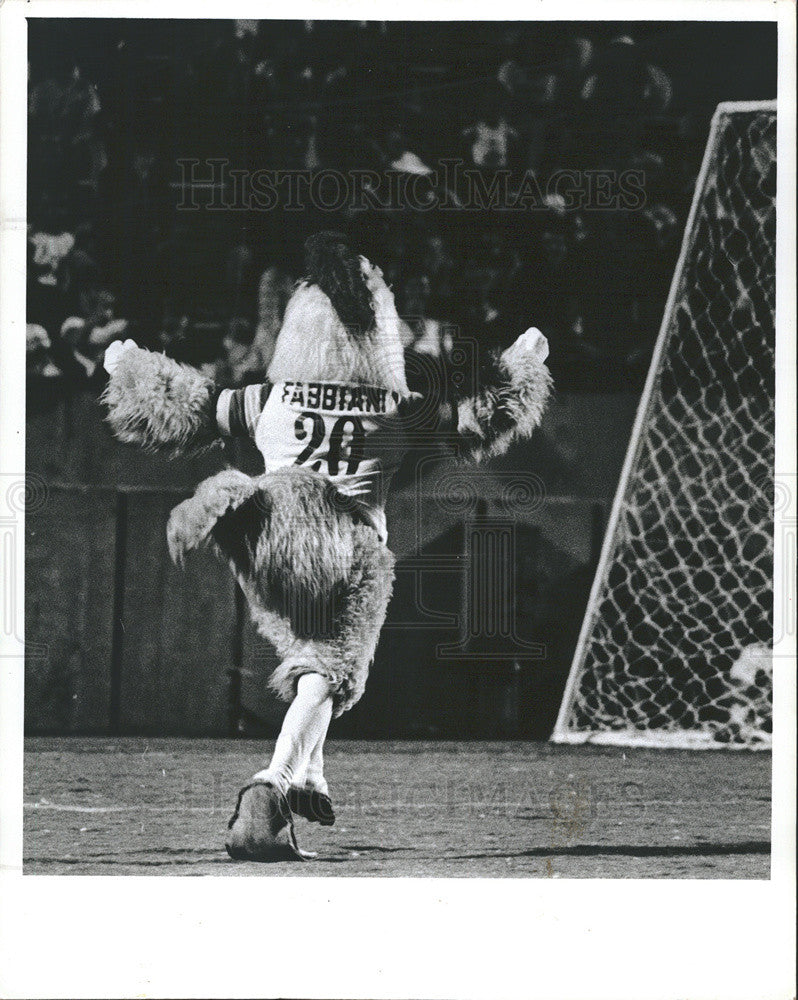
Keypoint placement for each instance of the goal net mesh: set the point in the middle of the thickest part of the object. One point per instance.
(676, 645)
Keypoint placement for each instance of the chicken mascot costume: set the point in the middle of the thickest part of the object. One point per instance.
(306, 540)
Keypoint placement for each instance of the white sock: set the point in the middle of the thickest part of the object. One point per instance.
(304, 728)
(313, 776)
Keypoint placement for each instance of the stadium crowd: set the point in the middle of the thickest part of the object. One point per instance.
(549, 169)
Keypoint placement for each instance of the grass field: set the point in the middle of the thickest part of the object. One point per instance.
(141, 807)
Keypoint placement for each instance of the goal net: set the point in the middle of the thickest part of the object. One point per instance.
(676, 645)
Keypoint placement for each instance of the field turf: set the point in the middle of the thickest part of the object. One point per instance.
(134, 806)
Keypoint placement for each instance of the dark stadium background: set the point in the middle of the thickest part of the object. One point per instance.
(118, 640)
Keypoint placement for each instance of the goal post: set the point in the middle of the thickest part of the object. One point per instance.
(675, 648)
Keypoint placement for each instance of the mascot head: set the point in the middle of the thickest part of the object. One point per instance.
(341, 323)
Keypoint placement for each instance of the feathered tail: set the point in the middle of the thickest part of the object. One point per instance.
(289, 536)
(157, 403)
(510, 403)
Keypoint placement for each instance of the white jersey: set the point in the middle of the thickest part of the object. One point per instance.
(351, 434)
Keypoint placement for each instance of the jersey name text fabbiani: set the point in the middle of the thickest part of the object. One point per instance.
(351, 434)
(337, 397)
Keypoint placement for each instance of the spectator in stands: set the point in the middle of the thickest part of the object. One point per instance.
(399, 156)
(49, 282)
(274, 291)
(240, 363)
(618, 81)
(652, 248)
(426, 331)
(624, 80)
(512, 76)
(310, 156)
(39, 361)
(248, 350)
(89, 154)
(491, 141)
(50, 250)
(513, 73)
(174, 334)
(574, 71)
(83, 339)
(438, 263)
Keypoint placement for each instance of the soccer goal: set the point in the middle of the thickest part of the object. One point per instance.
(676, 645)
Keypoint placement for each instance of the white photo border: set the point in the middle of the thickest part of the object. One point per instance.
(258, 936)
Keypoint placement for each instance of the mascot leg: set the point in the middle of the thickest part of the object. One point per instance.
(314, 773)
(312, 776)
(304, 726)
(261, 828)
(297, 765)
(321, 677)
(309, 795)
(317, 579)
(361, 619)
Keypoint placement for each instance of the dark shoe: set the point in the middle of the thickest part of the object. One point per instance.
(261, 828)
(316, 807)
